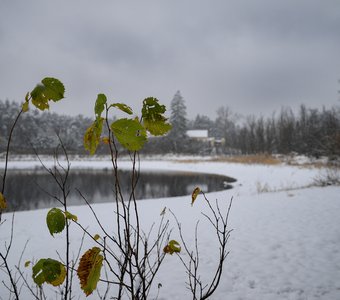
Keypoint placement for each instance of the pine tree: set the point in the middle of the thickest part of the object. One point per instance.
(178, 121)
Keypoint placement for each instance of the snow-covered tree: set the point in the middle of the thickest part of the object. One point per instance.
(225, 127)
(178, 121)
(202, 122)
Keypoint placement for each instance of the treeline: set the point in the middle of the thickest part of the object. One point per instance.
(40, 130)
(308, 131)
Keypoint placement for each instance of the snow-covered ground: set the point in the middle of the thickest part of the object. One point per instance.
(285, 242)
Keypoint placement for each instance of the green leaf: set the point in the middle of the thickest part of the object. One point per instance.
(38, 274)
(55, 220)
(60, 279)
(27, 97)
(70, 216)
(153, 118)
(27, 263)
(100, 105)
(130, 133)
(123, 107)
(89, 270)
(49, 89)
(3, 204)
(50, 271)
(25, 106)
(172, 247)
(194, 194)
(54, 88)
(38, 98)
(92, 135)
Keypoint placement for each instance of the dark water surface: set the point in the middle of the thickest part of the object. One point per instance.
(29, 190)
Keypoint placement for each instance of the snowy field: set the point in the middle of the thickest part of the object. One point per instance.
(285, 242)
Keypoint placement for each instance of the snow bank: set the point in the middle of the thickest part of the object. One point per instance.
(285, 243)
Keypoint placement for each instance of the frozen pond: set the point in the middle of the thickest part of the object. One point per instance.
(29, 190)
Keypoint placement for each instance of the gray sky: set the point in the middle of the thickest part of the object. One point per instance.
(254, 56)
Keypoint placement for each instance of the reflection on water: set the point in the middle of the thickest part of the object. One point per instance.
(36, 189)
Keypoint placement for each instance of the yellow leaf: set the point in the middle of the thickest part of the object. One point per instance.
(89, 270)
(194, 194)
(92, 135)
(27, 97)
(106, 140)
(27, 263)
(3, 204)
(70, 216)
(172, 247)
(25, 107)
(96, 237)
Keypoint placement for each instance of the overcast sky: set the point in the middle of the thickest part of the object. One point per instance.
(254, 56)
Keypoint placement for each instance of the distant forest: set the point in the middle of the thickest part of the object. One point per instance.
(307, 131)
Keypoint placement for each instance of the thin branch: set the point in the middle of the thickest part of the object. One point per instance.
(27, 284)
(97, 219)
(7, 152)
(11, 278)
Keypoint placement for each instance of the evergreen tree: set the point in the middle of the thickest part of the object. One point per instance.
(202, 122)
(178, 121)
